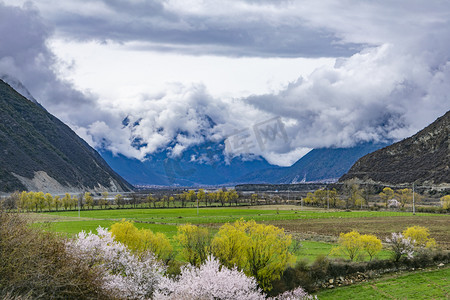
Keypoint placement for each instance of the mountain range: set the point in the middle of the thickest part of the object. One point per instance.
(40, 153)
(206, 164)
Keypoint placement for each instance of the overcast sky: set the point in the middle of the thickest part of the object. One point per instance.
(337, 72)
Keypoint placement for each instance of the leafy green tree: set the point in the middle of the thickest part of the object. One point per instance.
(420, 236)
(201, 196)
(23, 201)
(49, 200)
(309, 199)
(371, 244)
(404, 196)
(261, 251)
(195, 243)
(234, 196)
(67, 201)
(142, 240)
(89, 200)
(118, 200)
(445, 202)
(39, 199)
(386, 195)
(350, 244)
(74, 203)
(253, 198)
(56, 202)
(320, 197)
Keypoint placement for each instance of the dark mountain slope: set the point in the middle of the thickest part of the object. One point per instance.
(423, 158)
(40, 152)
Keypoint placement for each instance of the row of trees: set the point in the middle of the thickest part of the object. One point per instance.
(351, 196)
(354, 196)
(38, 201)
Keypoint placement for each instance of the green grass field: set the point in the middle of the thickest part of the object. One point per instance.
(166, 221)
(221, 215)
(428, 284)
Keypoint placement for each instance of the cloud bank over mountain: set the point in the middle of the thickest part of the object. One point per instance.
(391, 75)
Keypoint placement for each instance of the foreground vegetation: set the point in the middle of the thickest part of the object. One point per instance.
(320, 244)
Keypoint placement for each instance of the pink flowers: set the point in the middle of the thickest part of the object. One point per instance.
(400, 246)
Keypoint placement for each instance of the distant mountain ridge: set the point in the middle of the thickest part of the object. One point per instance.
(423, 158)
(39, 152)
(325, 164)
(318, 165)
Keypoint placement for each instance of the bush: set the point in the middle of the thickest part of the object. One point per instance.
(34, 263)
(261, 251)
(142, 240)
(420, 236)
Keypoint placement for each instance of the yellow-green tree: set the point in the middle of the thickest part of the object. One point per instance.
(118, 199)
(309, 199)
(66, 201)
(350, 244)
(233, 195)
(404, 196)
(371, 244)
(261, 251)
(48, 200)
(386, 195)
(254, 198)
(201, 196)
(420, 236)
(89, 199)
(56, 202)
(333, 197)
(195, 243)
(141, 240)
(320, 197)
(230, 243)
(39, 199)
(445, 202)
(23, 201)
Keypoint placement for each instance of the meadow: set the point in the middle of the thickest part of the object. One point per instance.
(317, 229)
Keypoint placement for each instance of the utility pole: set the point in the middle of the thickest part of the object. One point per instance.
(414, 202)
(328, 200)
(79, 205)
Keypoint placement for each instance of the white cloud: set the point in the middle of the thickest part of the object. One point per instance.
(391, 77)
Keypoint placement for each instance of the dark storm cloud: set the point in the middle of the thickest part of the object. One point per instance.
(158, 27)
(25, 57)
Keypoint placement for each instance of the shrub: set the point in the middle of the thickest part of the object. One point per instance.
(122, 273)
(371, 244)
(209, 281)
(400, 246)
(195, 242)
(142, 240)
(213, 281)
(261, 251)
(350, 244)
(420, 236)
(445, 202)
(35, 264)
